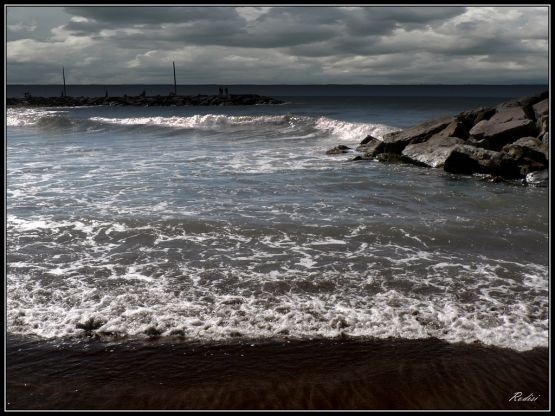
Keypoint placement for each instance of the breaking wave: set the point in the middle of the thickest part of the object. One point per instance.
(349, 131)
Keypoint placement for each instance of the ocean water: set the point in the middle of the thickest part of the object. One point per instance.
(220, 223)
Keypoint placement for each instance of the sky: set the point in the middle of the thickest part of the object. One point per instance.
(278, 45)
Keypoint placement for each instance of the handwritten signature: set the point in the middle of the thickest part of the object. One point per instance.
(518, 397)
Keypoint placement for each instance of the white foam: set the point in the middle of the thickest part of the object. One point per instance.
(351, 131)
(208, 121)
(327, 241)
(22, 117)
(199, 306)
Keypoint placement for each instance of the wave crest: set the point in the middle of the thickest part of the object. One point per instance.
(321, 126)
(343, 129)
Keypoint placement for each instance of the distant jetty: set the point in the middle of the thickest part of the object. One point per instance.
(144, 101)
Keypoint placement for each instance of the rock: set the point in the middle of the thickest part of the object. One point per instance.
(338, 150)
(454, 129)
(528, 147)
(396, 158)
(496, 135)
(368, 139)
(541, 108)
(508, 114)
(477, 132)
(152, 332)
(397, 141)
(528, 102)
(90, 325)
(465, 159)
(505, 142)
(433, 152)
(545, 140)
(507, 104)
(542, 124)
(541, 113)
(483, 143)
(540, 178)
(529, 153)
(371, 148)
(470, 118)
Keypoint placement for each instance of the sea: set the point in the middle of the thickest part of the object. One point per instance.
(229, 225)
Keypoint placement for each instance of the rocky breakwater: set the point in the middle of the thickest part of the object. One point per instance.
(143, 101)
(506, 142)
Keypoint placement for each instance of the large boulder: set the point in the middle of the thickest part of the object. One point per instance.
(465, 159)
(541, 112)
(433, 152)
(528, 147)
(529, 153)
(397, 141)
(529, 101)
(508, 114)
(495, 135)
(541, 108)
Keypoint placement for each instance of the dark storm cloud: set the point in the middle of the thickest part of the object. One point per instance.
(280, 44)
(279, 27)
(383, 20)
(152, 15)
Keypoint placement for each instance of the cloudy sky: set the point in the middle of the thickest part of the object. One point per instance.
(280, 45)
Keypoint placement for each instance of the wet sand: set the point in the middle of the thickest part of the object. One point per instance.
(317, 374)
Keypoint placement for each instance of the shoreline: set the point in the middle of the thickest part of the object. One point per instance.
(168, 373)
(143, 101)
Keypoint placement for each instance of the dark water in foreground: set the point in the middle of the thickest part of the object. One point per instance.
(325, 374)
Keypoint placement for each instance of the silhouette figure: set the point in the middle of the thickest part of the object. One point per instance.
(226, 93)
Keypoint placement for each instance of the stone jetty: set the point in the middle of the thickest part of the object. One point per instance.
(144, 101)
(507, 142)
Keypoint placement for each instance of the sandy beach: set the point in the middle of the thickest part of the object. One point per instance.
(317, 374)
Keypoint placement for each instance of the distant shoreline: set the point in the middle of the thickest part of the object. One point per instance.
(143, 101)
(283, 90)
